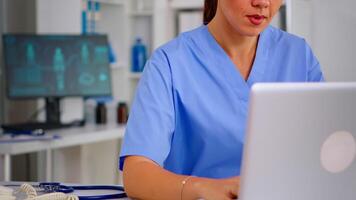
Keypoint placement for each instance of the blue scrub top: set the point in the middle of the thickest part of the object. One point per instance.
(190, 109)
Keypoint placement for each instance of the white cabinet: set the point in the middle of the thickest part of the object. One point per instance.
(186, 4)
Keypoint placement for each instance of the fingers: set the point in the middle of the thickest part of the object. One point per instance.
(223, 189)
(233, 192)
(222, 198)
(234, 187)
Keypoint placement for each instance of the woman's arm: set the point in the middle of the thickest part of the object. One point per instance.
(144, 179)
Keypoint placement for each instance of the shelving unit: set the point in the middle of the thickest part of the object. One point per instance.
(135, 76)
(141, 20)
(115, 2)
(187, 4)
(187, 14)
(141, 13)
(123, 21)
(118, 65)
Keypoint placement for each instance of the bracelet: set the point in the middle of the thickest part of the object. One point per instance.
(185, 181)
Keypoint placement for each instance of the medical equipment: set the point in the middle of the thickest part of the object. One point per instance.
(29, 190)
(14, 132)
(57, 191)
(54, 196)
(57, 187)
(32, 194)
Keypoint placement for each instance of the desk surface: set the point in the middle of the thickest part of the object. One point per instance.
(20, 196)
(68, 137)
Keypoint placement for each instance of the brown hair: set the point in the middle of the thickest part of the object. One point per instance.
(210, 8)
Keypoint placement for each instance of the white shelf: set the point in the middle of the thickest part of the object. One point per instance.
(115, 2)
(187, 4)
(147, 13)
(118, 65)
(135, 75)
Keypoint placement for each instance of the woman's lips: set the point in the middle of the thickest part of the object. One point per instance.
(256, 19)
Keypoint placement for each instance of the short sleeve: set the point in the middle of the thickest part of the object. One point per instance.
(152, 120)
(314, 69)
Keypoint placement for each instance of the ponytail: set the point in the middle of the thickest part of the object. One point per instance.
(210, 8)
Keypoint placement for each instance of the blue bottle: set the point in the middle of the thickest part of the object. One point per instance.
(139, 56)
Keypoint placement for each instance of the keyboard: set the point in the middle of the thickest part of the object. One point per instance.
(35, 126)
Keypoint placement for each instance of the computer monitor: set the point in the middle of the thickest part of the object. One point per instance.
(56, 66)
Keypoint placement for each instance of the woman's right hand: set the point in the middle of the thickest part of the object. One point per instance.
(214, 189)
(144, 179)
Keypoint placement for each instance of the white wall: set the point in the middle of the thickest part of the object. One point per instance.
(62, 16)
(300, 18)
(334, 38)
(163, 23)
(330, 28)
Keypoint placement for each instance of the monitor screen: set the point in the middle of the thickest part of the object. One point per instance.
(56, 65)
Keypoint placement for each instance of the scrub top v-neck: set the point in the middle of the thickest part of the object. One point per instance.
(190, 108)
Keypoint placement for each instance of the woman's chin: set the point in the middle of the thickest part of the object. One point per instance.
(251, 31)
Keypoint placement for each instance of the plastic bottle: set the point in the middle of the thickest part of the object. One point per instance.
(84, 17)
(139, 56)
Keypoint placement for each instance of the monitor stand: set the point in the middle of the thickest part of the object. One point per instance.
(53, 112)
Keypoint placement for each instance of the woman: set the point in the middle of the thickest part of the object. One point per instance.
(185, 134)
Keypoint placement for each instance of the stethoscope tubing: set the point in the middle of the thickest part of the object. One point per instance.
(70, 189)
(101, 187)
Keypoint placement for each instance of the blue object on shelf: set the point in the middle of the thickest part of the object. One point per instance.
(97, 6)
(91, 21)
(84, 21)
(112, 56)
(85, 17)
(139, 56)
(90, 5)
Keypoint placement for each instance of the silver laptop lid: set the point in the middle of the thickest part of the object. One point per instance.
(300, 142)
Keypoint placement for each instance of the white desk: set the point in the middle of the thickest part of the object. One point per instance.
(80, 193)
(68, 137)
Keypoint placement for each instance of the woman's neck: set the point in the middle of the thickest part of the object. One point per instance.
(234, 44)
(241, 49)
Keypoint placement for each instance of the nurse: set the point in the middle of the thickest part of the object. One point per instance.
(185, 134)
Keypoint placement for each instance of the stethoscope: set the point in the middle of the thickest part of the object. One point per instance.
(57, 187)
(50, 187)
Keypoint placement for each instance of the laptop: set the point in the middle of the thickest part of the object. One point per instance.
(300, 142)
